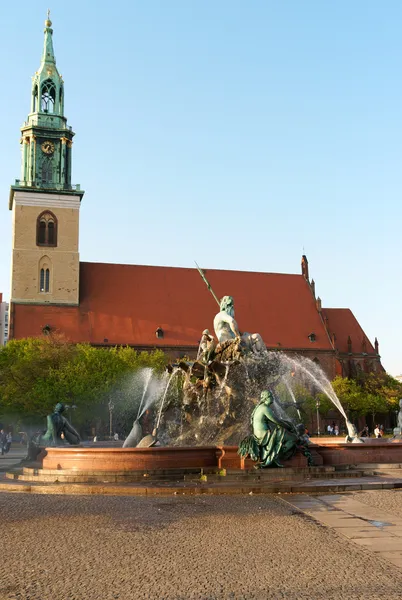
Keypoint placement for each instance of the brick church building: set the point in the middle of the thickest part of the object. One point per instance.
(156, 307)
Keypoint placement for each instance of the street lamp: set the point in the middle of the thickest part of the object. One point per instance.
(317, 404)
(69, 408)
(111, 408)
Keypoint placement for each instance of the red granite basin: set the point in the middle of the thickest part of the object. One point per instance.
(376, 451)
(112, 459)
(151, 459)
(131, 459)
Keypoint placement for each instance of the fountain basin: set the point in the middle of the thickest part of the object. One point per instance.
(112, 459)
(373, 451)
(130, 459)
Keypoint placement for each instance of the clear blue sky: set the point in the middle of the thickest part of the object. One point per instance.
(233, 133)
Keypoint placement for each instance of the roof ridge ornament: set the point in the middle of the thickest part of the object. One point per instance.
(48, 22)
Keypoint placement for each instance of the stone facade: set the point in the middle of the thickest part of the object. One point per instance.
(28, 257)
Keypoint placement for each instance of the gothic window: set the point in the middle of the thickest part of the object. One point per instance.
(44, 275)
(50, 233)
(61, 100)
(47, 170)
(42, 233)
(44, 281)
(48, 96)
(35, 99)
(46, 229)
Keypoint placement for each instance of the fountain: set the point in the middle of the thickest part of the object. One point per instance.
(201, 412)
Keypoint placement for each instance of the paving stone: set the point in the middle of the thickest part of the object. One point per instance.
(361, 532)
(386, 544)
(394, 557)
(393, 530)
(345, 522)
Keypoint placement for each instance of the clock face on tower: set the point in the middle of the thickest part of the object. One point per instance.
(47, 147)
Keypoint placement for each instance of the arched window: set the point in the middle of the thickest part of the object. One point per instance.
(42, 233)
(46, 229)
(44, 275)
(48, 96)
(50, 233)
(44, 280)
(35, 99)
(47, 170)
(61, 107)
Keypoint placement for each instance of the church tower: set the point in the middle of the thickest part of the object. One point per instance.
(45, 206)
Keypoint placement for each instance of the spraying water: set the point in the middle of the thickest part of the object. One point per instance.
(291, 394)
(174, 372)
(318, 377)
(147, 377)
(225, 378)
(151, 391)
(214, 407)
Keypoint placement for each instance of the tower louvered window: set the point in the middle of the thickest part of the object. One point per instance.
(48, 96)
(46, 229)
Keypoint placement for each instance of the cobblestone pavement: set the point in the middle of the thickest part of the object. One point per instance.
(206, 548)
(13, 458)
(389, 500)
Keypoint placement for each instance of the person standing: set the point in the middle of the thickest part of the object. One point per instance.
(3, 441)
(365, 432)
(336, 430)
(9, 439)
(329, 429)
(377, 432)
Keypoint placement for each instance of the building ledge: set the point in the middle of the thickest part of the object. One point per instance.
(22, 186)
(36, 303)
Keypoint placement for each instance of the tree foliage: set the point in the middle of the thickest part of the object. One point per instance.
(35, 373)
(370, 394)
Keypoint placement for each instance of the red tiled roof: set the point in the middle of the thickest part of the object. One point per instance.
(343, 323)
(126, 303)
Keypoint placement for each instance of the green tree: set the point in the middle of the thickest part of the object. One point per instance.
(370, 394)
(350, 395)
(37, 373)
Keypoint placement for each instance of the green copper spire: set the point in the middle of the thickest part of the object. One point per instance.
(48, 52)
(47, 83)
(47, 140)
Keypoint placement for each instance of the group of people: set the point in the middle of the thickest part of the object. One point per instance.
(333, 429)
(379, 431)
(5, 441)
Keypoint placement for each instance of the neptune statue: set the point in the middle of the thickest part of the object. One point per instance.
(226, 328)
